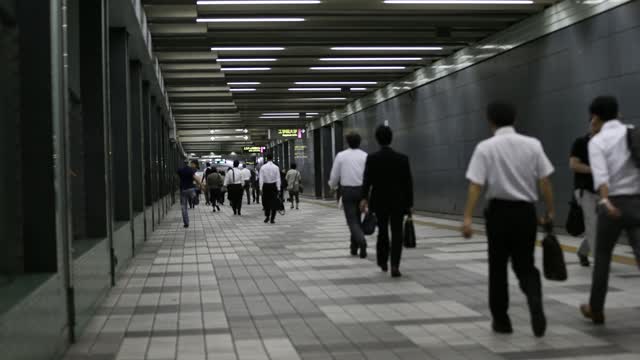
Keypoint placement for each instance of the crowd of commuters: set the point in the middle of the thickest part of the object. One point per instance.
(511, 169)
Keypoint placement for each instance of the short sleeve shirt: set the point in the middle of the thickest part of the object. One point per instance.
(186, 177)
(510, 166)
(580, 150)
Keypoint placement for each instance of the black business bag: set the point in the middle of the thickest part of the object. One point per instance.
(555, 268)
(575, 219)
(369, 223)
(409, 239)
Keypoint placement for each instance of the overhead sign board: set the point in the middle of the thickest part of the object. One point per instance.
(254, 149)
(286, 134)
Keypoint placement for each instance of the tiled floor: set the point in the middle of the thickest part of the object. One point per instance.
(234, 288)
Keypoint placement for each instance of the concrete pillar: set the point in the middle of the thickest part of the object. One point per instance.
(286, 161)
(327, 148)
(137, 138)
(317, 162)
(93, 75)
(146, 132)
(120, 124)
(36, 137)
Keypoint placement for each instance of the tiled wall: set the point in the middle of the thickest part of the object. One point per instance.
(552, 80)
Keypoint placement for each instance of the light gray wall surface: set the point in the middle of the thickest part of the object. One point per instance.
(551, 80)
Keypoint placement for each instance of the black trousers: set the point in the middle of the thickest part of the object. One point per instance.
(247, 192)
(511, 231)
(214, 196)
(255, 190)
(235, 196)
(395, 219)
(270, 200)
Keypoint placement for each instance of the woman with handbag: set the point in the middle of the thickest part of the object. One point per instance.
(294, 185)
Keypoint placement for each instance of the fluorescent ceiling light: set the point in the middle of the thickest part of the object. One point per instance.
(258, 2)
(249, 48)
(358, 68)
(461, 2)
(386, 48)
(336, 83)
(246, 69)
(287, 114)
(247, 20)
(244, 83)
(280, 117)
(326, 99)
(374, 59)
(324, 89)
(246, 60)
(242, 90)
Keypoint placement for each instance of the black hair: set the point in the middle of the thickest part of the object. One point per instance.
(294, 166)
(384, 135)
(604, 107)
(501, 113)
(270, 157)
(208, 164)
(236, 163)
(353, 140)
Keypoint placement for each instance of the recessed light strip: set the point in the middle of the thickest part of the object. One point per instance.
(246, 69)
(358, 68)
(246, 60)
(324, 89)
(247, 48)
(374, 59)
(288, 114)
(247, 20)
(258, 2)
(386, 48)
(461, 2)
(336, 82)
(242, 90)
(244, 83)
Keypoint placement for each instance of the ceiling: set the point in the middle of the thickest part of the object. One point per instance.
(308, 70)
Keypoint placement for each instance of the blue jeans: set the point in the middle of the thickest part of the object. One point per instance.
(185, 196)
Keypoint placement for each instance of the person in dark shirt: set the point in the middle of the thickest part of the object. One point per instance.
(584, 193)
(210, 170)
(389, 195)
(187, 175)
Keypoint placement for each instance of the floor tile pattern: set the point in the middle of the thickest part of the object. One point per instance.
(233, 288)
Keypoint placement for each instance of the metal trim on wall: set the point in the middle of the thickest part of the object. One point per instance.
(555, 18)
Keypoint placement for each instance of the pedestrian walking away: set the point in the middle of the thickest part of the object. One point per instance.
(270, 185)
(617, 179)
(255, 186)
(294, 185)
(389, 195)
(187, 175)
(246, 186)
(346, 174)
(511, 167)
(584, 193)
(215, 181)
(234, 181)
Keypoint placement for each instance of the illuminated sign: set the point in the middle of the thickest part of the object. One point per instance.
(290, 133)
(254, 149)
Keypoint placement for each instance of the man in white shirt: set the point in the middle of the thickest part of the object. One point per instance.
(510, 166)
(234, 181)
(617, 180)
(347, 172)
(270, 188)
(246, 175)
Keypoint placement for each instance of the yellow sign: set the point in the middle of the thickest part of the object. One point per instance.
(290, 133)
(253, 149)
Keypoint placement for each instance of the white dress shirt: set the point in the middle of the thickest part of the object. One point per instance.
(233, 176)
(246, 174)
(510, 165)
(611, 162)
(348, 168)
(270, 174)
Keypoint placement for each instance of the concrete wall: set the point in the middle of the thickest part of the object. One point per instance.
(552, 80)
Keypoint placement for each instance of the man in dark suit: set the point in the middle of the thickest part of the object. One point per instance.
(388, 184)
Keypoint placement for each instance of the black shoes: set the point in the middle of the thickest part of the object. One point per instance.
(384, 267)
(584, 260)
(354, 250)
(538, 319)
(266, 220)
(363, 252)
(273, 221)
(502, 327)
(186, 226)
(218, 207)
(395, 273)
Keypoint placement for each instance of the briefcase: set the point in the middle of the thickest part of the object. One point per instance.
(575, 219)
(555, 268)
(409, 239)
(369, 223)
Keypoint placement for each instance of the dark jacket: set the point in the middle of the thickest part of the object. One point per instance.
(388, 182)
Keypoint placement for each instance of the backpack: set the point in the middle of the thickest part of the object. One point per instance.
(633, 141)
